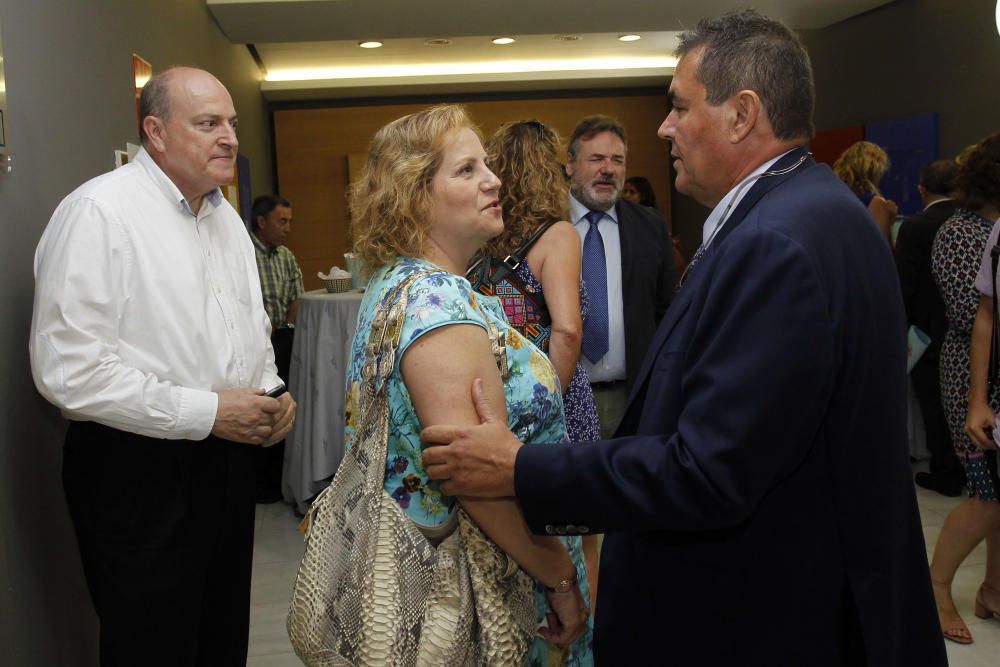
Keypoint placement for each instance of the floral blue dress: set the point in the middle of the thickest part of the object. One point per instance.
(534, 408)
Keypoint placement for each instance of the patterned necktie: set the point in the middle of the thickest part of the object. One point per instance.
(595, 275)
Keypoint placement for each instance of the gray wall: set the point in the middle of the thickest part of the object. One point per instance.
(908, 57)
(70, 104)
(912, 57)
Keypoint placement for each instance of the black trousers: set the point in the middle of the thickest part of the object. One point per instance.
(269, 460)
(165, 529)
(926, 379)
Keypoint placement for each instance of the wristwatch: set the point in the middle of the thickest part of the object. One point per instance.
(564, 586)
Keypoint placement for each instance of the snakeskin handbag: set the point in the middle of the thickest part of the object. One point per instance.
(372, 590)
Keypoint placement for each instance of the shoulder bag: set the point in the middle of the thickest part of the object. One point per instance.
(372, 589)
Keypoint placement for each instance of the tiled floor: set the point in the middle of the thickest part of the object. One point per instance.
(278, 548)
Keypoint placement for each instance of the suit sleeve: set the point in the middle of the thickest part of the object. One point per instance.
(755, 381)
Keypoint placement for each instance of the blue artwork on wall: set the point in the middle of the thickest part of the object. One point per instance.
(911, 143)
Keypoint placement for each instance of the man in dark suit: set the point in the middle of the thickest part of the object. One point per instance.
(627, 264)
(757, 502)
(925, 310)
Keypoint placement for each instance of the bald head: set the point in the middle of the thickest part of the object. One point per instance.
(156, 97)
(189, 130)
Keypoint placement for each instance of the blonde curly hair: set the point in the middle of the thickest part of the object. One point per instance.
(390, 201)
(525, 157)
(862, 166)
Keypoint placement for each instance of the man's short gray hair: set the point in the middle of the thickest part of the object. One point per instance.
(155, 99)
(745, 50)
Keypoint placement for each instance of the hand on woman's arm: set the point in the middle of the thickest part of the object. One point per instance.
(439, 369)
(980, 416)
(557, 256)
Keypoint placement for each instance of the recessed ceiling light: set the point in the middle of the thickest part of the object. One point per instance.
(438, 41)
(566, 38)
(370, 44)
(628, 38)
(503, 40)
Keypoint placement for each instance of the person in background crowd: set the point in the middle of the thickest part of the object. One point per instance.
(524, 156)
(639, 190)
(861, 167)
(969, 404)
(628, 267)
(759, 487)
(925, 310)
(280, 285)
(149, 333)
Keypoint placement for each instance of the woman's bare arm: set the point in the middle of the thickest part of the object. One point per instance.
(556, 258)
(439, 369)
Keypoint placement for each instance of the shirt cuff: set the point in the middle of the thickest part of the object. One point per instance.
(197, 413)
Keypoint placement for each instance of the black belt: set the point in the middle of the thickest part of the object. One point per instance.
(603, 386)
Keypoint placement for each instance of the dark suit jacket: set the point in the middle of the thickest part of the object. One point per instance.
(648, 278)
(758, 505)
(923, 303)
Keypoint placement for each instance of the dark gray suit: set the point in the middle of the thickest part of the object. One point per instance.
(648, 279)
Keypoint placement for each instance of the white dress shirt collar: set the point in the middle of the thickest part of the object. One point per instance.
(731, 200)
(168, 187)
(579, 212)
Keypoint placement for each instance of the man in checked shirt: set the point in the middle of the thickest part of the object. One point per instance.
(280, 285)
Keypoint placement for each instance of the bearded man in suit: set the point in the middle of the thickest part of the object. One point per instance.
(628, 265)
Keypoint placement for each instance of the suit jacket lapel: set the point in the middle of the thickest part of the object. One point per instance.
(682, 301)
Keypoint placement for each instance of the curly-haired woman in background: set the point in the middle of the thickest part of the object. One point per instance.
(525, 156)
(861, 167)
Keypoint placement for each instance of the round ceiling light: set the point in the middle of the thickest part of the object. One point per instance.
(629, 38)
(503, 40)
(370, 44)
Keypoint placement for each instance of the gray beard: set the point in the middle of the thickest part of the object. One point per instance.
(582, 196)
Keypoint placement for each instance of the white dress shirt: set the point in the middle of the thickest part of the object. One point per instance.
(726, 205)
(611, 366)
(143, 309)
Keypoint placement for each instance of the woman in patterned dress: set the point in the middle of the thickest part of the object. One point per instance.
(957, 258)
(426, 201)
(525, 156)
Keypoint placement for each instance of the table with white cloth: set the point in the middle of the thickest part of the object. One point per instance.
(324, 330)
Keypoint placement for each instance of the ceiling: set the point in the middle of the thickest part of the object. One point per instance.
(308, 49)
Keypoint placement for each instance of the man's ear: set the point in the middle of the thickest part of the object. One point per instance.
(568, 168)
(155, 132)
(747, 108)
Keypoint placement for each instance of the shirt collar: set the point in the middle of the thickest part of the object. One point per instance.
(260, 245)
(579, 212)
(168, 187)
(936, 202)
(732, 199)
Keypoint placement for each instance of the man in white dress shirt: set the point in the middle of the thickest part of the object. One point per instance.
(628, 264)
(149, 333)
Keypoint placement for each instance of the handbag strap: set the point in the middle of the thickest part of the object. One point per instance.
(510, 263)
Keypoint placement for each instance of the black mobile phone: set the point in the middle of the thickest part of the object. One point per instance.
(277, 391)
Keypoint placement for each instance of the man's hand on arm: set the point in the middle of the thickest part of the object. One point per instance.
(246, 415)
(476, 461)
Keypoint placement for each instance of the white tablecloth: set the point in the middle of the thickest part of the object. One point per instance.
(324, 329)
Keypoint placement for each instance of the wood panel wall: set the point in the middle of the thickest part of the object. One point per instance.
(312, 147)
